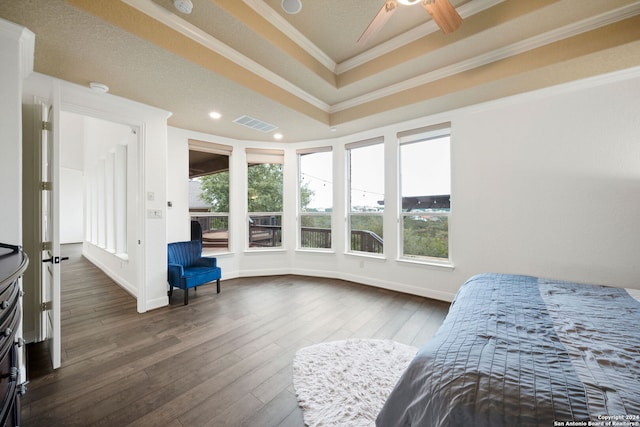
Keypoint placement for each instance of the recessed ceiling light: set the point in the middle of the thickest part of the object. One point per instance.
(291, 6)
(99, 87)
(215, 115)
(277, 135)
(408, 2)
(333, 128)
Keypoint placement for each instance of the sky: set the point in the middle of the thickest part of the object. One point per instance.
(424, 171)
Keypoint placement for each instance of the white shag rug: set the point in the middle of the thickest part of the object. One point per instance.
(345, 383)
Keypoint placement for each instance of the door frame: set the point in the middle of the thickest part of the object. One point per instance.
(151, 125)
(139, 182)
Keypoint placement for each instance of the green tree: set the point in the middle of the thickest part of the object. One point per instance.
(264, 182)
(428, 238)
(215, 191)
(265, 189)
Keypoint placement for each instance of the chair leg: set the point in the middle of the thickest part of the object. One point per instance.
(186, 296)
(218, 285)
(170, 291)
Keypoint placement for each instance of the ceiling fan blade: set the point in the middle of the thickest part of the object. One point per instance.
(443, 14)
(378, 22)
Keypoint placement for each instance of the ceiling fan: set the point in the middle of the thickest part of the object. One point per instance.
(441, 11)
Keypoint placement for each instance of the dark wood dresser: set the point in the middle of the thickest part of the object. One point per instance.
(13, 263)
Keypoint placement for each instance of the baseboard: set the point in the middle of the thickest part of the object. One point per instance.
(156, 303)
(123, 283)
(367, 281)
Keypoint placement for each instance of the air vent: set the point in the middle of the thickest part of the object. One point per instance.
(254, 123)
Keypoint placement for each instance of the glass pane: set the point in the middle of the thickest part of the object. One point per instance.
(316, 182)
(209, 193)
(366, 233)
(265, 231)
(366, 178)
(215, 232)
(425, 175)
(264, 187)
(426, 236)
(315, 231)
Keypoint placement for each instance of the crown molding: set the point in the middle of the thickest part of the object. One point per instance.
(273, 17)
(466, 10)
(178, 24)
(173, 21)
(567, 31)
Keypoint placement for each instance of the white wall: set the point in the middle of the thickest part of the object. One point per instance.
(546, 184)
(553, 185)
(16, 61)
(178, 228)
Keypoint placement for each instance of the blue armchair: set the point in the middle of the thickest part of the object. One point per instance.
(189, 269)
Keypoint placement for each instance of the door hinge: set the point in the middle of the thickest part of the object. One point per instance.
(46, 186)
(46, 125)
(45, 306)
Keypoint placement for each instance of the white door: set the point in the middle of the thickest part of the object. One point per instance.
(50, 194)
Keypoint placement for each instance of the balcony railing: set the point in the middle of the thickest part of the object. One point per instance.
(314, 237)
(215, 229)
(268, 236)
(366, 241)
(215, 235)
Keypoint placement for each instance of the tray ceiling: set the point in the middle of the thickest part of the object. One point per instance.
(306, 73)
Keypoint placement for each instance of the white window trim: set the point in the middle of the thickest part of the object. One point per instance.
(411, 137)
(349, 212)
(299, 247)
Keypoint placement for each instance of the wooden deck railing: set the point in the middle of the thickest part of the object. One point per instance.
(366, 241)
(310, 237)
(313, 237)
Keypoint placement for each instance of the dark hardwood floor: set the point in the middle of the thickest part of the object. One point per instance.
(224, 359)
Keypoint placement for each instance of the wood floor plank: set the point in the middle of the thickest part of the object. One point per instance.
(224, 359)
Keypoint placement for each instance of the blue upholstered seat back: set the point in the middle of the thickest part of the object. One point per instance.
(184, 253)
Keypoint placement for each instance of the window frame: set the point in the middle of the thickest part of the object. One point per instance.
(256, 156)
(416, 136)
(349, 212)
(223, 150)
(300, 213)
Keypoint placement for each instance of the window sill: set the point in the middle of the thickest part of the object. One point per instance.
(316, 250)
(264, 250)
(445, 265)
(216, 254)
(378, 257)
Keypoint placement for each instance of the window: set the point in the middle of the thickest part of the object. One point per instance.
(366, 195)
(315, 196)
(425, 180)
(209, 193)
(264, 197)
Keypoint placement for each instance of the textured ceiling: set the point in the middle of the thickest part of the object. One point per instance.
(306, 73)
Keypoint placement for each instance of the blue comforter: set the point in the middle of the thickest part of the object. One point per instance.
(524, 351)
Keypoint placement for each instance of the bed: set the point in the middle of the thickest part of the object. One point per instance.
(525, 351)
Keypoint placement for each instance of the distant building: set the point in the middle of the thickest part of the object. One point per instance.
(195, 203)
